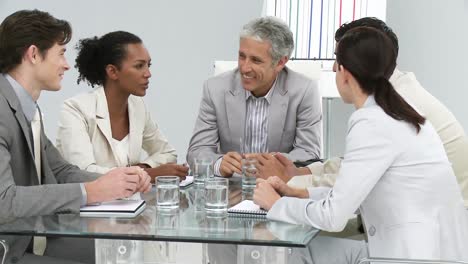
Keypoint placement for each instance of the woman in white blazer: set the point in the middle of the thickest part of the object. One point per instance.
(395, 171)
(111, 126)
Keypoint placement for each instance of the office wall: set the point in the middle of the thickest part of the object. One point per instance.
(183, 38)
(184, 42)
(433, 44)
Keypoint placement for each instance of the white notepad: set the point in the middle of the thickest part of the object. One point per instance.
(188, 180)
(247, 208)
(118, 208)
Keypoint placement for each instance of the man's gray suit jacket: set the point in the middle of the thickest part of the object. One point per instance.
(20, 192)
(294, 119)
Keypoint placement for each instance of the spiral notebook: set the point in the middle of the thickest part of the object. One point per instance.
(247, 208)
(117, 208)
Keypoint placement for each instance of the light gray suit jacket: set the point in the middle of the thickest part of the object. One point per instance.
(20, 194)
(294, 119)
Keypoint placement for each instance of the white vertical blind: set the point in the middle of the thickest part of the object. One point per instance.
(314, 22)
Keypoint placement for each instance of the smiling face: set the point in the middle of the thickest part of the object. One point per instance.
(133, 74)
(51, 67)
(256, 66)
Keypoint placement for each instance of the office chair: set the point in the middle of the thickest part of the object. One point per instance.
(5, 251)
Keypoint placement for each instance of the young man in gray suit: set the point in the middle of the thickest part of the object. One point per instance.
(34, 179)
(262, 105)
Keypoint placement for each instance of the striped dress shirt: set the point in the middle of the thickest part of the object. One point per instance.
(255, 138)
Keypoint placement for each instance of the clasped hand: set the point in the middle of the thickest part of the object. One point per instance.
(268, 191)
(118, 183)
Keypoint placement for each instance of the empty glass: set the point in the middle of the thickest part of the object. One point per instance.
(167, 192)
(216, 195)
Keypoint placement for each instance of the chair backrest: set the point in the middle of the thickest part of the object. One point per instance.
(315, 70)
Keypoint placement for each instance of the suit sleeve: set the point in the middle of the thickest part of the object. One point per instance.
(23, 201)
(364, 164)
(156, 145)
(73, 139)
(307, 144)
(205, 138)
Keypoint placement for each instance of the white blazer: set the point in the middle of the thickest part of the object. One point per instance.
(401, 182)
(84, 134)
(444, 122)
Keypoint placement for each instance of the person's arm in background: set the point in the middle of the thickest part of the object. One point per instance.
(162, 156)
(314, 175)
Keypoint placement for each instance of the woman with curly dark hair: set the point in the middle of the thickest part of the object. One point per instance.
(110, 126)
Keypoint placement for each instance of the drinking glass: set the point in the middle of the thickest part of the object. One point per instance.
(203, 169)
(216, 195)
(167, 192)
(249, 173)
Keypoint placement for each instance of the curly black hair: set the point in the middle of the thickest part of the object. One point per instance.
(94, 54)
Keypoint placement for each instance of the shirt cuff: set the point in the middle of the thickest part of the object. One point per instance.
(217, 166)
(316, 168)
(318, 193)
(84, 194)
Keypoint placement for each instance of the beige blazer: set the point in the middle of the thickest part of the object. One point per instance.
(84, 134)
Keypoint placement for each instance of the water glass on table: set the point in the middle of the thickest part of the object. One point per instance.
(249, 173)
(216, 195)
(203, 169)
(167, 192)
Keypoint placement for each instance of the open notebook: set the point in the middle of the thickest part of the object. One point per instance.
(247, 208)
(117, 208)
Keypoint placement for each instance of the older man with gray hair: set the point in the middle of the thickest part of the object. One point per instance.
(261, 106)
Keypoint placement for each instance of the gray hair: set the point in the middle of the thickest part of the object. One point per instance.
(273, 30)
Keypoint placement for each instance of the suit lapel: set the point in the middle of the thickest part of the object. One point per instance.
(235, 110)
(277, 112)
(103, 119)
(45, 169)
(136, 129)
(14, 103)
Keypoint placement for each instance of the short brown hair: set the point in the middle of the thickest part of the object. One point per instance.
(24, 28)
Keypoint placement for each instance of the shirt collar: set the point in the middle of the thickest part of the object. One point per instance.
(27, 103)
(370, 101)
(267, 96)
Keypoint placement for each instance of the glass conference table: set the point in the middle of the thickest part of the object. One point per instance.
(155, 231)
